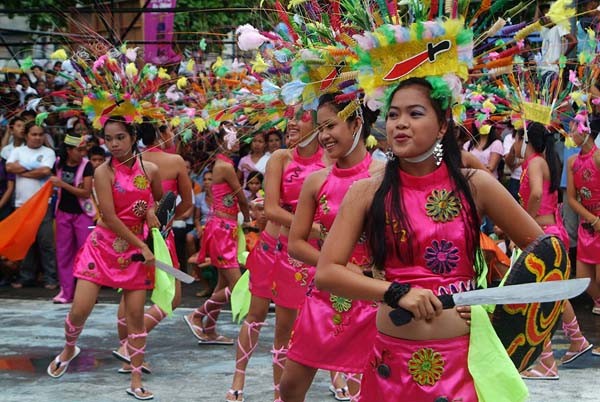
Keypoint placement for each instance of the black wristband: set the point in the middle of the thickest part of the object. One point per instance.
(395, 292)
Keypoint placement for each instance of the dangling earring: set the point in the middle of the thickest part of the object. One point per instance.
(438, 153)
(390, 155)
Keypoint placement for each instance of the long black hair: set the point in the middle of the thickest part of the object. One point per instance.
(368, 116)
(384, 215)
(542, 142)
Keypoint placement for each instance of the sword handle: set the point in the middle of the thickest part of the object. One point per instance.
(401, 316)
(138, 257)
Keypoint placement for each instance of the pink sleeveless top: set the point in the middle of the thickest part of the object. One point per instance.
(132, 194)
(224, 200)
(549, 200)
(586, 177)
(293, 177)
(330, 198)
(443, 262)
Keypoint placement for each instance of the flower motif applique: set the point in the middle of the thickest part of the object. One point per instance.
(441, 257)
(340, 304)
(323, 204)
(426, 366)
(120, 245)
(228, 201)
(140, 207)
(442, 206)
(585, 193)
(587, 175)
(140, 182)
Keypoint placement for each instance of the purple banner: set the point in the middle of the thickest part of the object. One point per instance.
(158, 27)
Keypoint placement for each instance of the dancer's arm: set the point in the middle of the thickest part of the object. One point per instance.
(535, 173)
(231, 178)
(273, 177)
(332, 274)
(303, 224)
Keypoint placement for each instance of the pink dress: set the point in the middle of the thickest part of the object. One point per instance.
(586, 178)
(105, 258)
(332, 332)
(219, 241)
(260, 263)
(290, 277)
(443, 262)
(548, 206)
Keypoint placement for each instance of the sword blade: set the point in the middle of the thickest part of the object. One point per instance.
(538, 292)
(179, 275)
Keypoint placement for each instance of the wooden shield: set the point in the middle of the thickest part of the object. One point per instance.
(524, 328)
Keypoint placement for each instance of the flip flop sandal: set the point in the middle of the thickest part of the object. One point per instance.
(236, 393)
(60, 364)
(571, 356)
(337, 391)
(145, 370)
(193, 327)
(136, 394)
(219, 340)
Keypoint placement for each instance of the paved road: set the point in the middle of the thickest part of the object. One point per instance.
(31, 334)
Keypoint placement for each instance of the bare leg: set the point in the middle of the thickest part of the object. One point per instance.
(84, 300)
(296, 381)
(136, 338)
(284, 322)
(246, 343)
(546, 367)
(579, 344)
(338, 384)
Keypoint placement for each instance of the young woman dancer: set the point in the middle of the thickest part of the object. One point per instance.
(331, 332)
(75, 211)
(539, 196)
(126, 188)
(174, 177)
(286, 171)
(422, 223)
(219, 240)
(583, 195)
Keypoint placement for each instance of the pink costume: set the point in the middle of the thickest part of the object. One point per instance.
(105, 259)
(401, 369)
(331, 332)
(292, 277)
(259, 263)
(586, 178)
(219, 241)
(72, 226)
(548, 205)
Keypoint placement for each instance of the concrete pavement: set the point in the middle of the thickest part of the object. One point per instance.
(31, 334)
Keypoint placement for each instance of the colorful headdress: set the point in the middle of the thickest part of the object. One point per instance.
(392, 53)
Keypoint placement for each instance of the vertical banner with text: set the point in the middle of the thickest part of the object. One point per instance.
(158, 28)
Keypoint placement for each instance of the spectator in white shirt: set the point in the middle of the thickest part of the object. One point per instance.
(32, 164)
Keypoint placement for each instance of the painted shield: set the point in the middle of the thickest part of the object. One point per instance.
(523, 328)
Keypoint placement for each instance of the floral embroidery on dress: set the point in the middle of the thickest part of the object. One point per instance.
(323, 204)
(585, 193)
(140, 182)
(94, 239)
(118, 187)
(120, 245)
(587, 175)
(426, 366)
(123, 262)
(441, 257)
(442, 206)
(340, 304)
(139, 208)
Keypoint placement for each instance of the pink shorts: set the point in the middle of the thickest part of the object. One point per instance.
(290, 278)
(105, 259)
(401, 369)
(260, 263)
(220, 243)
